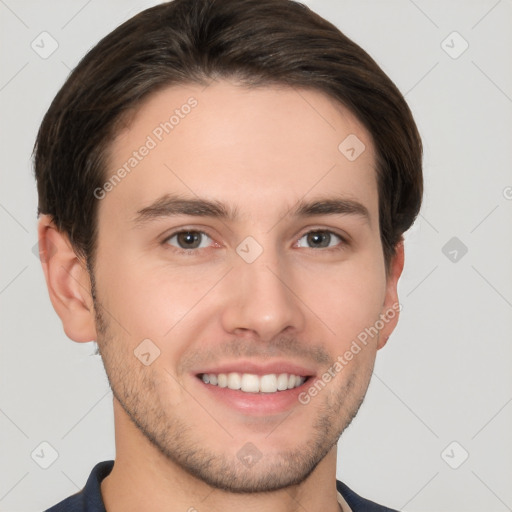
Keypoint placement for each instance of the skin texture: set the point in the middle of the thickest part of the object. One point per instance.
(258, 151)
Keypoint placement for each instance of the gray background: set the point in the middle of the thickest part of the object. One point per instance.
(444, 376)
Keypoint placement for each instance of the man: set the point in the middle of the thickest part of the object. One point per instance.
(223, 189)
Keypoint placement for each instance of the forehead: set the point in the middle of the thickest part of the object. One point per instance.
(243, 146)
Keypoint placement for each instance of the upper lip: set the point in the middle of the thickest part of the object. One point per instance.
(255, 368)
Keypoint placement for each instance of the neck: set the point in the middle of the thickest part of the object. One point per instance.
(144, 479)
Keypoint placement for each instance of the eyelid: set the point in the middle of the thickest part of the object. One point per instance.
(187, 229)
(345, 237)
(340, 244)
(206, 230)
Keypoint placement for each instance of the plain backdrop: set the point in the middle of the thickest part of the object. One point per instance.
(434, 431)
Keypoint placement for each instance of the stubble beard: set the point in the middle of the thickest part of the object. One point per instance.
(135, 388)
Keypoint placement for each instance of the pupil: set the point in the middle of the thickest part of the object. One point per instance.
(189, 239)
(319, 239)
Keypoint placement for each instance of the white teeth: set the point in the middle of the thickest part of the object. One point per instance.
(234, 381)
(251, 383)
(268, 383)
(222, 380)
(282, 382)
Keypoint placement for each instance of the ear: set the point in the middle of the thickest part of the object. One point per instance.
(68, 282)
(391, 307)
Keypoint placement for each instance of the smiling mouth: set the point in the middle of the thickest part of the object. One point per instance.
(252, 383)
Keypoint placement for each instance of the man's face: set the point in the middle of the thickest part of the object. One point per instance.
(245, 246)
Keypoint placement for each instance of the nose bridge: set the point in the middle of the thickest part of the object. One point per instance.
(262, 298)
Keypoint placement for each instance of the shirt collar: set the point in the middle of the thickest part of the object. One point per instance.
(343, 504)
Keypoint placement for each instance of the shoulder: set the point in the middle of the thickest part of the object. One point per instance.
(358, 504)
(89, 498)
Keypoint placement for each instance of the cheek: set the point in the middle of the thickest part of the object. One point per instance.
(348, 299)
(152, 301)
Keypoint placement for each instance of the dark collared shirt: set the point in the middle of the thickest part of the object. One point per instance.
(89, 498)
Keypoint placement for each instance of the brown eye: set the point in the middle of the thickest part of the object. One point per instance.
(320, 239)
(189, 240)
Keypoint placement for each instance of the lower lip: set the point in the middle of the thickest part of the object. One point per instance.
(258, 404)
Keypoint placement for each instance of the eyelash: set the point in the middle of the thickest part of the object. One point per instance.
(190, 252)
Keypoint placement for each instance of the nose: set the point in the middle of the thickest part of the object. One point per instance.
(261, 300)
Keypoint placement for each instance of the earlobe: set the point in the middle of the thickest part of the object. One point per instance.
(391, 307)
(68, 282)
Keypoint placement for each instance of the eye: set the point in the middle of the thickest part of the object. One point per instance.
(189, 240)
(319, 239)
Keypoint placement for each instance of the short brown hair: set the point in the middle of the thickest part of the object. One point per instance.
(256, 42)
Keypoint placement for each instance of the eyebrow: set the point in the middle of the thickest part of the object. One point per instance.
(171, 205)
(332, 206)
